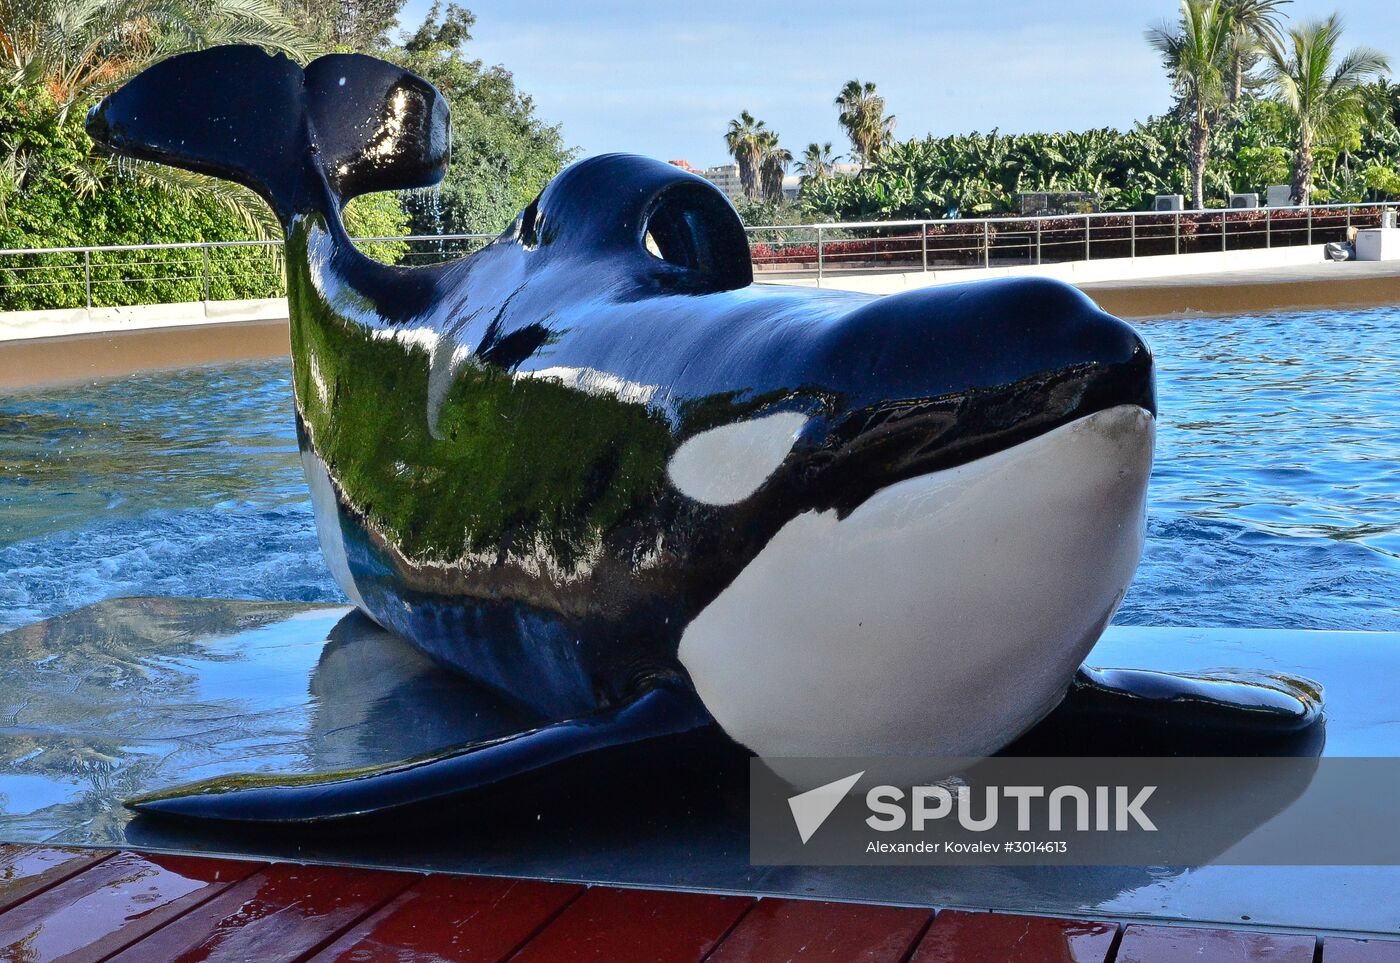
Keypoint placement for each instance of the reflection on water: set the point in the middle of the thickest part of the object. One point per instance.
(1275, 498)
(135, 694)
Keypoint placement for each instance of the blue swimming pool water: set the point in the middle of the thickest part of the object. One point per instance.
(1275, 500)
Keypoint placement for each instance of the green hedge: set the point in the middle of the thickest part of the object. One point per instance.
(58, 192)
(982, 174)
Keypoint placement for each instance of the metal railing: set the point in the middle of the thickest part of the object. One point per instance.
(829, 250)
(128, 274)
(118, 275)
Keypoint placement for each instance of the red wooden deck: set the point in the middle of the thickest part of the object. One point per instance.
(82, 905)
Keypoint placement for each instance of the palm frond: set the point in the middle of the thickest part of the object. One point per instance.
(251, 211)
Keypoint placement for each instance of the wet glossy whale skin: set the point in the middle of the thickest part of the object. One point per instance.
(495, 433)
(524, 517)
(544, 462)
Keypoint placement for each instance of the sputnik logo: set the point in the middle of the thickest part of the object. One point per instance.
(811, 808)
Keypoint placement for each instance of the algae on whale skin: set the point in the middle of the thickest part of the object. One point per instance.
(515, 459)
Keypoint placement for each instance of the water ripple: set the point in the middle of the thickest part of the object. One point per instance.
(1275, 498)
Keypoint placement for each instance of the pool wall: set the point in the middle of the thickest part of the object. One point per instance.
(116, 354)
(113, 342)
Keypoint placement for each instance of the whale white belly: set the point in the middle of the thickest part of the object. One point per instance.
(945, 615)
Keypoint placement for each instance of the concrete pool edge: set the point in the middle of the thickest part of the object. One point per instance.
(121, 349)
(1324, 286)
(336, 674)
(92, 356)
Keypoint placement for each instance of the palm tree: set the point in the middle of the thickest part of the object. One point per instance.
(884, 133)
(1253, 23)
(772, 165)
(863, 117)
(1325, 95)
(745, 142)
(817, 162)
(78, 50)
(1196, 52)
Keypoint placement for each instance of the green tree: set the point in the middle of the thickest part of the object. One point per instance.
(817, 163)
(75, 51)
(502, 153)
(862, 116)
(1196, 52)
(1250, 146)
(1383, 103)
(1261, 166)
(359, 25)
(744, 140)
(773, 163)
(1322, 91)
(47, 212)
(1382, 181)
(78, 50)
(1253, 23)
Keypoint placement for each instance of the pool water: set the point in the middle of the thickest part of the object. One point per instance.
(1275, 500)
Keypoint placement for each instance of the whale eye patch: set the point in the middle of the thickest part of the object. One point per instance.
(725, 465)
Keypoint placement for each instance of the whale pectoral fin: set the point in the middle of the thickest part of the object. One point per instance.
(668, 709)
(1221, 701)
(1142, 712)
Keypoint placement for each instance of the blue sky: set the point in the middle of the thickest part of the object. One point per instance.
(664, 78)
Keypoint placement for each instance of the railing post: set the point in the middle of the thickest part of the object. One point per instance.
(87, 276)
(1224, 223)
(986, 244)
(820, 257)
(1177, 249)
(1037, 240)
(1132, 234)
(1309, 224)
(1087, 219)
(923, 240)
(205, 249)
(1268, 227)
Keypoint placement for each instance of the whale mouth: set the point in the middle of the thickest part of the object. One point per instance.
(996, 575)
(872, 449)
(940, 377)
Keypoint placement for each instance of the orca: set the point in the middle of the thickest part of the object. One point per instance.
(597, 468)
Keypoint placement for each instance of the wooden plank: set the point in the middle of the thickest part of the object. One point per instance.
(460, 918)
(26, 870)
(1160, 944)
(111, 904)
(608, 925)
(961, 937)
(1338, 950)
(787, 929)
(280, 913)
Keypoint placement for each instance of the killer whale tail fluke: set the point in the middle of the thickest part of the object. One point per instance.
(303, 139)
(375, 126)
(666, 710)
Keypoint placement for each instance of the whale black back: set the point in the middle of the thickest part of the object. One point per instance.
(303, 139)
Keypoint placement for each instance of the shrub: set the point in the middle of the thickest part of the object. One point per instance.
(57, 193)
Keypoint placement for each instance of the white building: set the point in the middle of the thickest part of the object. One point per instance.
(726, 178)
